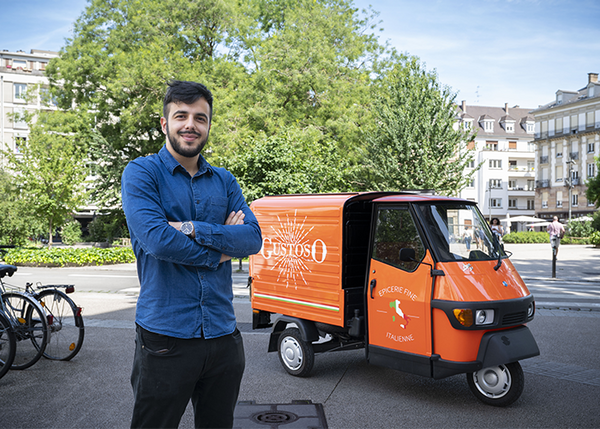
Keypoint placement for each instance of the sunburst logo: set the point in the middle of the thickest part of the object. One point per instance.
(292, 249)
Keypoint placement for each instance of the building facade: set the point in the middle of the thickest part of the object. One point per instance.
(20, 72)
(567, 138)
(504, 186)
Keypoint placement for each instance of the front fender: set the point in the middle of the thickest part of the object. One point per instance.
(507, 346)
(308, 330)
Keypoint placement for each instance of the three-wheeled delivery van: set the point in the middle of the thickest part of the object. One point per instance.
(416, 279)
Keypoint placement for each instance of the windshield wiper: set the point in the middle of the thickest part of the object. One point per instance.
(499, 264)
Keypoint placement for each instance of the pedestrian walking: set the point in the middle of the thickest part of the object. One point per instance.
(556, 231)
(187, 220)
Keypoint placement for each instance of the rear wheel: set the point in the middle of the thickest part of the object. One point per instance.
(64, 323)
(498, 385)
(8, 345)
(296, 355)
(29, 324)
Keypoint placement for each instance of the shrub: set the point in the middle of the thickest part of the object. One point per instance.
(71, 232)
(595, 238)
(579, 229)
(527, 237)
(68, 256)
(107, 227)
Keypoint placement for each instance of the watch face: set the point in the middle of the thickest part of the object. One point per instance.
(187, 228)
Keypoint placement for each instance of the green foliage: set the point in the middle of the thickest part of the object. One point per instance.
(575, 240)
(51, 166)
(71, 233)
(596, 220)
(68, 256)
(414, 144)
(579, 229)
(593, 186)
(106, 227)
(17, 221)
(289, 163)
(527, 237)
(595, 238)
(280, 65)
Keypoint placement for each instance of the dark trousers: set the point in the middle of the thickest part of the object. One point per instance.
(168, 372)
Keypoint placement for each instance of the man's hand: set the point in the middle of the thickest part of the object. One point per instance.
(235, 218)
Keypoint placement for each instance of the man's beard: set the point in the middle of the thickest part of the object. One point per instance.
(183, 149)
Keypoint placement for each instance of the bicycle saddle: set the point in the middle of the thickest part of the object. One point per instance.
(7, 269)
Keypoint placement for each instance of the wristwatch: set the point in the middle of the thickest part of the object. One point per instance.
(187, 228)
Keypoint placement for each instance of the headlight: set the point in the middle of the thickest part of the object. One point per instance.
(484, 317)
(530, 310)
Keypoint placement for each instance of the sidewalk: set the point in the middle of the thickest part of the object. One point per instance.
(574, 262)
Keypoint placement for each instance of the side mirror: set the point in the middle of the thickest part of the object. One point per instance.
(407, 254)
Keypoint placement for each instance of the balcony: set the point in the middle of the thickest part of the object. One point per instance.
(542, 183)
(544, 159)
(574, 155)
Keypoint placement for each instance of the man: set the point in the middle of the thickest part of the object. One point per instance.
(556, 231)
(187, 219)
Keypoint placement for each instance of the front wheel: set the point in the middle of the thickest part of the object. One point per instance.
(296, 355)
(498, 385)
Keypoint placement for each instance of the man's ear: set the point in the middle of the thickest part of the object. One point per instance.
(163, 124)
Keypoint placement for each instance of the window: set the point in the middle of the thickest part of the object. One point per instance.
(496, 202)
(510, 127)
(488, 125)
(530, 204)
(396, 230)
(512, 184)
(591, 169)
(589, 121)
(529, 127)
(531, 146)
(491, 145)
(471, 164)
(512, 165)
(512, 203)
(495, 183)
(574, 200)
(19, 118)
(512, 145)
(590, 147)
(530, 185)
(559, 150)
(574, 122)
(530, 165)
(467, 125)
(559, 199)
(471, 183)
(559, 125)
(20, 142)
(559, 173)
(20, 90)
(495, 163)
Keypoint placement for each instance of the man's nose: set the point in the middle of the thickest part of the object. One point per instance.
(189, 123)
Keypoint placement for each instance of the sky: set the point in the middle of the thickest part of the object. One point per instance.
(489, 52)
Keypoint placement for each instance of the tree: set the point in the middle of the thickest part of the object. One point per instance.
(272, 65)
(593, 186)
(414, 144)
(51, 167)
(17, 222)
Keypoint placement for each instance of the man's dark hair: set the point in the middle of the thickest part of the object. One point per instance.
(186, 92)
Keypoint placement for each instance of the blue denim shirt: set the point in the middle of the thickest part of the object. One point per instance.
(185, 291)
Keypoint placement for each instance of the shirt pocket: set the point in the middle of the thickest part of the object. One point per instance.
(217, 209)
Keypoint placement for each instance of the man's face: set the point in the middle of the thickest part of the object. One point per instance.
(187, 127)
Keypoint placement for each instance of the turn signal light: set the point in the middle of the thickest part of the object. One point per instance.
(464, 317)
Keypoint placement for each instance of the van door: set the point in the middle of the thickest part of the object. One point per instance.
(399, 294)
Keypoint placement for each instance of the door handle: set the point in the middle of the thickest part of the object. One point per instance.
(371, 287)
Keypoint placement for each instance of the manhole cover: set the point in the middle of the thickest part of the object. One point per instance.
(274, 417)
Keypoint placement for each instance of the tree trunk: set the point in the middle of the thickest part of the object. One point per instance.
(50, 236)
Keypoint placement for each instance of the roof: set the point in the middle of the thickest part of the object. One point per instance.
(499, 115)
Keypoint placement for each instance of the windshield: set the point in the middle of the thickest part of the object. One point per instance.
(459, 232)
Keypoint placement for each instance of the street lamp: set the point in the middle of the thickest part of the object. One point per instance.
(569, 183)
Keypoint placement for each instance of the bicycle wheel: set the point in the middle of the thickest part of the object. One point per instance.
(65, 324)
(30, 326)
(8, 345)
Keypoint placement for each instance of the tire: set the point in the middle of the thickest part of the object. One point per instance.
(8, 345)
(499, 385)
(296, 355)
(30, 326)
(64, 323)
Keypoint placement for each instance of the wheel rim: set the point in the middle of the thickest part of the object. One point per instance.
(493, 382)
(291, 353)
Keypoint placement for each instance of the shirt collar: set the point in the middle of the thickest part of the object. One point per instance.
(172, 164)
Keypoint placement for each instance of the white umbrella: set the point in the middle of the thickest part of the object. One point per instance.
(539, 224)
(529, 219)
(582, 219)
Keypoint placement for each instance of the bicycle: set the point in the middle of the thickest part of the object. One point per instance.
(8, 345)
(64, 320)
(28, 321)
